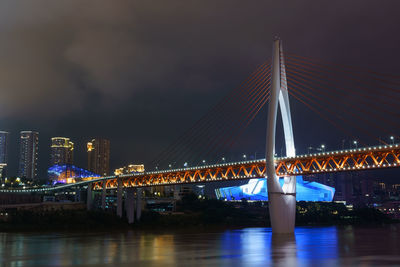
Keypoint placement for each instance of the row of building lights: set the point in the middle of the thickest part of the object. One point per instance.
(355, 143)
(341, 151)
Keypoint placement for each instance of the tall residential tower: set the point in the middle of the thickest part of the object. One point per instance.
(99, 156)
(3, 154)
(28, 156)
(62, 151)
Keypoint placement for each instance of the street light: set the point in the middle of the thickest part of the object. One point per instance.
(355, 143)
(244, 156)
(392, 139)
(204, 161)
(223, 159)
(323, 148)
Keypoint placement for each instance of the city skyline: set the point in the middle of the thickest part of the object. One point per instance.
(60, 152)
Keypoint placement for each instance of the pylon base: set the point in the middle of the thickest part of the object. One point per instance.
(282, 212)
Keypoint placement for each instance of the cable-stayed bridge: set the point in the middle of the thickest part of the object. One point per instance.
(360, 101)
(365, 158)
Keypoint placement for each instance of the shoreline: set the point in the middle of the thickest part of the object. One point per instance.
(104, 222)
(186, 229)
(190, 213)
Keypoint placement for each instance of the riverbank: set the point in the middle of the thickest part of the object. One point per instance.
(191, 213)
(206, 213)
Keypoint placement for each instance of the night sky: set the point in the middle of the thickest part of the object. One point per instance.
(141, 72)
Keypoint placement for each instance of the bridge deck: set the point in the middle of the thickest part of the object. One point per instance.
(366, 158)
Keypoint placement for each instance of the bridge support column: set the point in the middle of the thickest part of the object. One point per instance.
(130, 205)
(103, 195)
(89, 197)
(119, 198)
(139, 204)
(281, 200)
(77, 195)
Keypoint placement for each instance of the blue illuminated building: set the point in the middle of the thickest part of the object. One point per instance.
(256, 189)
(68, 173)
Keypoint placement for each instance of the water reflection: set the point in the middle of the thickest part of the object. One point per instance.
(316, 246)
(160, 248)
(284, 250)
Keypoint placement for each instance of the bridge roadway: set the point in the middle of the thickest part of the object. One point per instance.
(366, 158)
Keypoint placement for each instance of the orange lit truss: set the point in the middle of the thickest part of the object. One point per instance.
(345, 160)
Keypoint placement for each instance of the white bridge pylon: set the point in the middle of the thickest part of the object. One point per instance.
(282, 200)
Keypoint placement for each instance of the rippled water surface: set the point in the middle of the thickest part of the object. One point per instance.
(316, 246)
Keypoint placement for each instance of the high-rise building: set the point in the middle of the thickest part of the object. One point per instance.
(28, 156)
(62, 151)
(3, 153)
(99, 156)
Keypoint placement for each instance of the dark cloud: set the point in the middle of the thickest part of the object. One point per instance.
(81, 68)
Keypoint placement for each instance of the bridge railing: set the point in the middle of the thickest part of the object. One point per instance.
(387, 156)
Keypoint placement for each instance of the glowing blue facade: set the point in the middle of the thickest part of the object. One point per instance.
(64, 173)
(256, 189)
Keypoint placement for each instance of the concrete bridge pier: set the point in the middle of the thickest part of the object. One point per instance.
(89, 197)
(139, 204)
(119, 197)
(103, 195)
(77, 195)
(130, 205)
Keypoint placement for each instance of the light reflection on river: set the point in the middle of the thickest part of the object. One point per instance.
(316, 246)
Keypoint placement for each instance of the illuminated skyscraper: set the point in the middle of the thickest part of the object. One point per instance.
(99, 156)
(28, 156)
(3, 153)
(62, 151)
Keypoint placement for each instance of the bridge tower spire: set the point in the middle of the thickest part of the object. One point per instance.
(282, 199)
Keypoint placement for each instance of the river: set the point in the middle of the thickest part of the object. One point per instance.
(309, 246)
